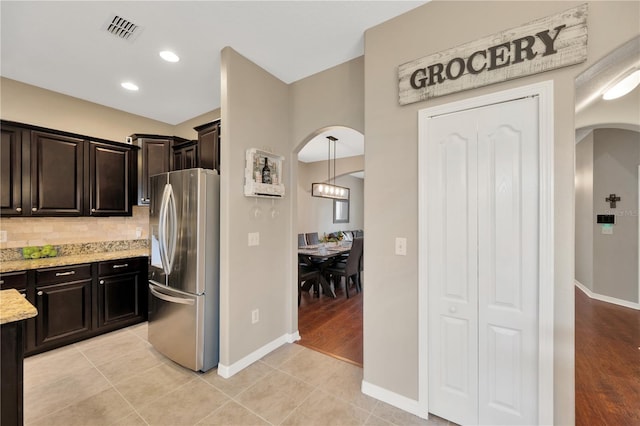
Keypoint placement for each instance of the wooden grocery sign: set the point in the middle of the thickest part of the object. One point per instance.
(542, 45)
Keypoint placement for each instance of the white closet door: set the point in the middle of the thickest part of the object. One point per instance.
(508, 262)
(482, 224)
(453, 268)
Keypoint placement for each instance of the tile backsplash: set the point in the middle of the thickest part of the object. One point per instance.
(39, 231)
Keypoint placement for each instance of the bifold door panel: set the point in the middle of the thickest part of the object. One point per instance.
(483, 227)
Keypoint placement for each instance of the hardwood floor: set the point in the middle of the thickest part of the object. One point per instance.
(607, 351)
(607, 363)
(332, 326)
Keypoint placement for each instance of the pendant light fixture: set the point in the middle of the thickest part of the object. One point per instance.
(329, 189)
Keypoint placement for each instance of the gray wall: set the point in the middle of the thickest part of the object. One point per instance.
(316, 214)
(391, 131)
(584, 211)
(616, 156)
(259, 110)
(255, 114)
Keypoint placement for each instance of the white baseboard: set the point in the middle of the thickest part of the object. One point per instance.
(402, 402)
(227, 371)
(608, 299)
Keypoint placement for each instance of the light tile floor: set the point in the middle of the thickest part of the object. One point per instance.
(119, 379)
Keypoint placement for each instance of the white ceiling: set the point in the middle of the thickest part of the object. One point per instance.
(63, 46)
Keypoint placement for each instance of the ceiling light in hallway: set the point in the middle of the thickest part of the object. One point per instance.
(623, 87)
(169, 56)
(129, 86)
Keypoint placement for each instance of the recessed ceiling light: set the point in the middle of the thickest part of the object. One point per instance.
(129, 86)
(623, 87)
(169, 56)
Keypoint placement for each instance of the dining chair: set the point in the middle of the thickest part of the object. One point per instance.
(306, 273)
(312, 238)
(348, 269)
(302, 241)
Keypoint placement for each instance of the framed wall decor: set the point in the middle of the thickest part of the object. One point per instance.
(263, 174)
(341, 211)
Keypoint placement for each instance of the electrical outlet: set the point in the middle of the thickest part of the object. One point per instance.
(254, 239)
(255, 316)
(401, 246)
(3, 236)
(138, 232)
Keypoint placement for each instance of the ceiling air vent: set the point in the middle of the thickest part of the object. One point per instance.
(122, 28)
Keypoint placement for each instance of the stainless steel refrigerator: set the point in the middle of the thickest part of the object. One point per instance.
(184, 267)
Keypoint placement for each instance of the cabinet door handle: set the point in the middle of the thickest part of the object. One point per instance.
(19, 209)
(34, 209)
(102, 282)
(63, 274)
(23, 294)
(93, 210)
(40, 293)
(124, 265)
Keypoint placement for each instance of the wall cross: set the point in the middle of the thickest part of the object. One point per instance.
(612, 200)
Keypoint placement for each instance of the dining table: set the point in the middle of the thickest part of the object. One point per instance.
(320, 257)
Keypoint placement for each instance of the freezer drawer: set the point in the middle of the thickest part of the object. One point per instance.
(176, 325)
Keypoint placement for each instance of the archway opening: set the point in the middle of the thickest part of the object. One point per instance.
(607, 308)
(328, 321)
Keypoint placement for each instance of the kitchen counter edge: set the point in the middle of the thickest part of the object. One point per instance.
(14, 307)
(24, 265)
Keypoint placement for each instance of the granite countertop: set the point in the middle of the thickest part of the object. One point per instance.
(74, 259)
(14, 307)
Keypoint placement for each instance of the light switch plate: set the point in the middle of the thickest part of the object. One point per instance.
(607, 229)
(401, 246)
(254, 239)
(3, 236)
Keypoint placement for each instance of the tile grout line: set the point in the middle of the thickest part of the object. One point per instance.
(232, 399)
(115, 389)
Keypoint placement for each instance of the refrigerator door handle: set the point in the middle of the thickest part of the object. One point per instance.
(162, 229)
(172, 216)
(161, 233)
(171, 299)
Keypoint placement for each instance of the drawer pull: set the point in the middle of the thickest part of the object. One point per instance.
(19, 209)
(23, 294)
(34, 209)
(63, 274)
(102, 282)
(40, 293)
(124, 265)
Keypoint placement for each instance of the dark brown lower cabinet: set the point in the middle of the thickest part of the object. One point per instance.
(63, 303)
(11, 371)
(81, 301)
(120, 293)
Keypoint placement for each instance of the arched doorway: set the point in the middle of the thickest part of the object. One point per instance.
(330, 325)
(606, 255)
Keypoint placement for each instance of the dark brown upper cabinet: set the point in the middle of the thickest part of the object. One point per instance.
(209, 145)
(110, 180)
(47, 172)
(185, 155)
(159, 154)
(14, 164)
(154, 158)
(57, 175)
